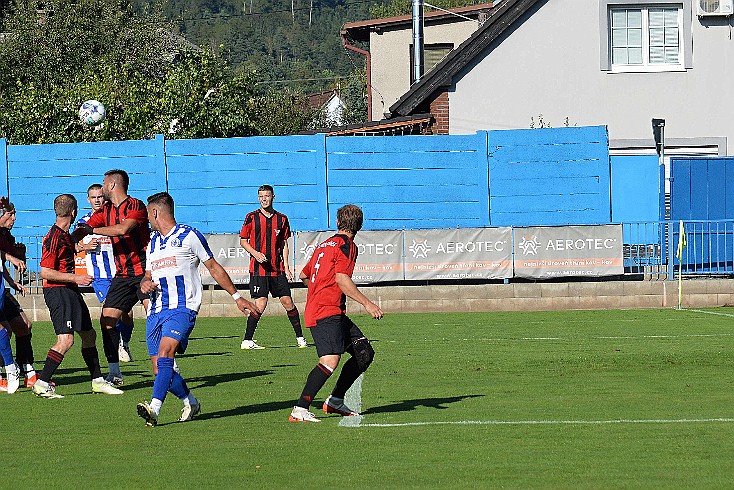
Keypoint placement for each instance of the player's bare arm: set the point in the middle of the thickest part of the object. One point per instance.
(123, 228)
(58, 276)
(259, 256)
(286, 265)
(304, 278)
(348, 287)
(9, 279)
(87, 247)
(17, 263)
(147, 285)
(222, 277)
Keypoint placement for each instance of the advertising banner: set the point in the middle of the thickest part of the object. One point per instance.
(234, 259)
(380, 254)
(564, 251)
(462, 253)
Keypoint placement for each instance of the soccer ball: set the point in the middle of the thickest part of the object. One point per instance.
(92, 112)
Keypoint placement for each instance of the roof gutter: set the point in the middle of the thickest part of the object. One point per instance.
(368, 61)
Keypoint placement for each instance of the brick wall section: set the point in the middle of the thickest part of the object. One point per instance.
(697, 293)
(440, 111)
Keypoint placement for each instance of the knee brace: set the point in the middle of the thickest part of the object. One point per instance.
(363, 353)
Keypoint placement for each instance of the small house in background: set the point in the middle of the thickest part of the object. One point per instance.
(331, 105)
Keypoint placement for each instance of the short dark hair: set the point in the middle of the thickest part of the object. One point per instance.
(121, 176)
(93, 187)
(266, 187)
(349, 218)
(65, 205)
(161, 199)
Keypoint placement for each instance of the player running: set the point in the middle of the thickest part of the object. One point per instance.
(264, 235)
(69, 313)
(328, 276)
(125, 220)
(100, 263)
(172, 279)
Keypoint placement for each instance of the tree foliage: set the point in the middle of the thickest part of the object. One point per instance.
(150, 80)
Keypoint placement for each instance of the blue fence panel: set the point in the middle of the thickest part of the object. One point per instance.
(549, 176)
(410, 182)
(215, 181)
(635, 196)
(4, 166)
(38, 173)
(702, 188)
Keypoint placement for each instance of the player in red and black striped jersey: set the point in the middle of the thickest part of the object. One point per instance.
(328, 275)
(125, 220)
(264, 235)
(69, 312)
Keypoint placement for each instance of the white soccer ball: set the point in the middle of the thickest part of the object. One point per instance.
(92, 112)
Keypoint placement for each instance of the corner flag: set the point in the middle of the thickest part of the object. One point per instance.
(682, 242)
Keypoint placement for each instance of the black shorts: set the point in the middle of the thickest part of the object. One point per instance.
(334, 335)
(11, 308)
(69, 312)
(124, 293)
(276, 286)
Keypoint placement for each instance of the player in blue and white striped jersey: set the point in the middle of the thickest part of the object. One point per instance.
(100, 263)
(173, 281)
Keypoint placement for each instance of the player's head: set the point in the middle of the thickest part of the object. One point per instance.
(95, 196)
(65, 206)
(265, 195)
(115, 179)
(7, 214)
(349, 218)
(160, 207)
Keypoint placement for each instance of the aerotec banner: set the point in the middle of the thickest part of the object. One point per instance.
(464, 253)
(380, 254)
(563, 251)
(235, 260)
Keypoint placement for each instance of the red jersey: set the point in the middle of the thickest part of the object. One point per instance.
(57, 253)
(325, 297)
(129, 250)
(267, 235)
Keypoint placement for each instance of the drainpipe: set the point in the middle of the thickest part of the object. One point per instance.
(368, 60)
(417, 40)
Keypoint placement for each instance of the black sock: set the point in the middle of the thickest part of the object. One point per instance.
(53, 359)
(251, 326)
(315, 381)
(111, 344)
(23, 351)
(350, 373)
(295, 321)
(91, 357)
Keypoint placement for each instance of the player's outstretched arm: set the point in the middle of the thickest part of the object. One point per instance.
(58, 276)
(222, 277)
(348, 287)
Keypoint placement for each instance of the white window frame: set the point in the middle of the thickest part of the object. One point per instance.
(646, 66)
(685, 44)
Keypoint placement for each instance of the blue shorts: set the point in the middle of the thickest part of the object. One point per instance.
(176, 324)
(101, 286)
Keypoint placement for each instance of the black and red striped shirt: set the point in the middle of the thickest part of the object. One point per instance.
(266, 235)
(129, 249)
(57, 253)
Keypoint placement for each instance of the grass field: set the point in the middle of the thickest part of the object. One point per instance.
(579, 399)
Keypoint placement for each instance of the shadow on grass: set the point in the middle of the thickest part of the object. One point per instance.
(408, 405)
(250, 409)
(202, 354)
(209, 381)
(214, 337)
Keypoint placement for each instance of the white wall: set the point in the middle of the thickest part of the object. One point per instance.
(551, 66)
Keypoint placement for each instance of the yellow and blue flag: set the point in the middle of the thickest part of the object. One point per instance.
(682, 242)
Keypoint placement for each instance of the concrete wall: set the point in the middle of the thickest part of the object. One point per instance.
(550, 65)
(697, 293)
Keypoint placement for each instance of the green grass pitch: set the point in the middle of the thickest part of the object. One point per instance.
(574, 399)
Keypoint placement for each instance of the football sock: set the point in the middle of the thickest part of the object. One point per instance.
(350, 373)
(190, 400)
(163, 378)
(178, 386)
(126, 331)
(53, 359)
(5, 351)
(91, 358)
(24, 351)
(115, 369)
(315, 381)
(251, 326)
(156, 405)
(111, 344)
(295, 321)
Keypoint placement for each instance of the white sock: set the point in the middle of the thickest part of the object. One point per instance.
(156, 405)
(11, 368)
(98, 380)
(190, 400)
(42, 383)
(29, 371)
